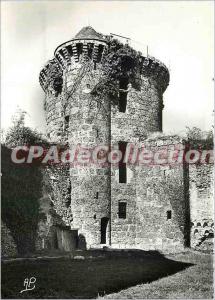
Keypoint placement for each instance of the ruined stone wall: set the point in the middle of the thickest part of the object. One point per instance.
(94, 193)
(153, 191)
(74, 117)
(143, 113)
(142, 116)
(123, 231)
(161, 189)
(201, 189)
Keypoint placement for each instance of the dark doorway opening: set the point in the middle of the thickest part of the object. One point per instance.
(122, 210)
(104, 223)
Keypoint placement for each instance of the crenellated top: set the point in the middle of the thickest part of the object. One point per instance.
(89, 44)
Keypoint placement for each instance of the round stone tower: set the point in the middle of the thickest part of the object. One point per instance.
(140, 110)
(74, 117)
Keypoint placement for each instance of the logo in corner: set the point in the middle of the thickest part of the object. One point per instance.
(29, 284)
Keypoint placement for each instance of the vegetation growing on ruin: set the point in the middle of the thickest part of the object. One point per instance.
(20, 134)
(199, 139)
(54, 78)
(121, 63)
(21, 186)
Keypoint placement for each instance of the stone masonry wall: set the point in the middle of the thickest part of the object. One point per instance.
(74, 117)
(152, 191)
(143, 113)
(201, 189)
(88, 126)
(161, 189)
(90, 183)
(87, 196)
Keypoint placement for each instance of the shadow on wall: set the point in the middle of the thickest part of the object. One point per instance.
(65, 239)
(116, 270)
(21, 189)
(82, 242)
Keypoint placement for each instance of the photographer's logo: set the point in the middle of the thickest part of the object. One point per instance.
(29, 284)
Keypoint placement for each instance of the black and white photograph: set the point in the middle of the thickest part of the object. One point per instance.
(107, 160)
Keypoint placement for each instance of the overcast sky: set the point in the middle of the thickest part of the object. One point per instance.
(178, 33)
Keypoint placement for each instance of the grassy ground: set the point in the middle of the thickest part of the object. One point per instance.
(195, 282)
(122, 275)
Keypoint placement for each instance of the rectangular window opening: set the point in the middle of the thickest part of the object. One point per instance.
(169, 214)
(122, 165)
(122, 173)
(123, 85)
(68, 194)
(122, 210)
(66, 119)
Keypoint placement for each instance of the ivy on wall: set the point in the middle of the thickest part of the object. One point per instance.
(54, 78)
(21, 187)
(121, 63)
(198, 139)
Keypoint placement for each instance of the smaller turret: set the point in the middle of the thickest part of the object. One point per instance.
(87, 42)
